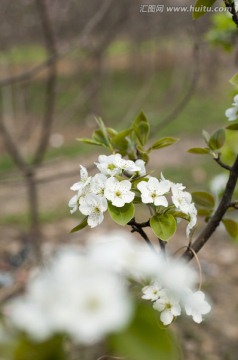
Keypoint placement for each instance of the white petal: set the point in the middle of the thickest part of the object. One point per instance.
(166, 317)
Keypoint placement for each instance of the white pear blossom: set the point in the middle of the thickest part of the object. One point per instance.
(74, 203)
(151, 292)
(140, 168)
(94, 206)
(118, 192)
(72, 296)
(192, 212)
(97, 184)
(153, 191)
(182, 200)
(232, 113)
(109, 165)
(168, 306)
(84, 181)
(195, 305)
(129, 166)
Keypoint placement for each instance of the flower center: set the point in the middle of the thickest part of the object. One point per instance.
(97, 210)
(111, 166)
(118, 193)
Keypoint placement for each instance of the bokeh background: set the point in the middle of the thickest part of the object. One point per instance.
(64, 62)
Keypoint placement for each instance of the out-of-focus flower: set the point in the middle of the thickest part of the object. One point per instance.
(123, 254)
(72, 296)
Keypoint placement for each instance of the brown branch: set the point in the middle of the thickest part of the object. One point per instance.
(51, 82)
(86, 32)
(12, 148)
(215, 220)
(234, 204)
(230, 5)
(138, 227)
(221, 163)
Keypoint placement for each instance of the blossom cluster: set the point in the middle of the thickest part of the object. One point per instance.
(85, 292)
(232, 112)
(119, 182)
(170, 305)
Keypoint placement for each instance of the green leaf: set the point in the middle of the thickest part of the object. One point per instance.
(204, 199)
(200, 7)
(104, 133)
(89, 141)
(144, 338)
(206, 136)
(80, 226)
(163, 226)
(232, 126)
(234, 79)
(217, 139)
(231, 227)
(121, 215)
(163, 142)
(141, 128)
(199, 151)
(204, 212)
(142, 154)
(119, 141)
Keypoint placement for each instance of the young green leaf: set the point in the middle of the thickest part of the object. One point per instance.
(89, 141)
(203, 199)
(163, 226)
(234, 79)
(200, 7)
(199, 151)
(231, 227)
(121, 215)
(217, 139)
(119, 141)
(163, 142)
(206, 136)
(232, 127)
(80, 226)
(141, 128)
(104, 133)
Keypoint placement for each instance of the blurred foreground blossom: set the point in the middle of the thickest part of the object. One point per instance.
(72, 296)
(85, 292)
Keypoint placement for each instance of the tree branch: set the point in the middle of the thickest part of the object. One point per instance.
(51, 82)
(230, 5)
(217, 216)
(138, 227)
(221, 163)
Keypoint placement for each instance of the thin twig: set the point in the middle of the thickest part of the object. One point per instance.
(221, 163)
(215, 220)
(234, 204)
(138, 227)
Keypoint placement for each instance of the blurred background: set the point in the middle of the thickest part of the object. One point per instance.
(64, 62)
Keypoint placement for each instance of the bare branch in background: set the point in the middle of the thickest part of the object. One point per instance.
(51, 82)
(53, 58)
(188, 95)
